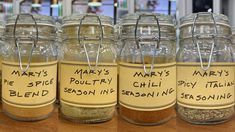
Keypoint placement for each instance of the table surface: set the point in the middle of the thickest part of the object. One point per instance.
(56, 124)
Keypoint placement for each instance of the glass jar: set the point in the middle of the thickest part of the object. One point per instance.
(88, 69)
(205, 72)
(29, 67)
(147, 72)
(2, 29)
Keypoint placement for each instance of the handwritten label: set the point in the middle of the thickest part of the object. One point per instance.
(31, 89)
(84, 87)
(210, 89)
(147, 92)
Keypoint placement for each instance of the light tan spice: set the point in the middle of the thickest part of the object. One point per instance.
(27, 114)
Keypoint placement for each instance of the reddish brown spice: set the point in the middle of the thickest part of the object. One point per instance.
(146, 117)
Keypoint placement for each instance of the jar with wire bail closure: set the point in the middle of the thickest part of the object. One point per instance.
(147, 72)
(29, 67)
(205, 72)
(88, 69)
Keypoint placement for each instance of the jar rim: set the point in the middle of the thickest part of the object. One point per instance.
(133, 17)
(40, 20)
(74, 19)
(189, 18)
(27, 21)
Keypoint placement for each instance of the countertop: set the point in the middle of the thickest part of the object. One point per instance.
(56, 124)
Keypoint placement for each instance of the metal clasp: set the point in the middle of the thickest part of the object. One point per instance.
(17, 39)
(196, 36)
(156, 38)
(100, 37)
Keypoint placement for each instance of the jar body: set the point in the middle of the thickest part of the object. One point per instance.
(44, 52)
(83, 114)
(189, 54)
(88, 104)
(147, 69)
(146, 116)
(205, 50)
(29, 68)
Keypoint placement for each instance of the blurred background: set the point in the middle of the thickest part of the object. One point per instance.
(117, 8)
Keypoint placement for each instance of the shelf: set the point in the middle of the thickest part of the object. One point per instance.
(55, 124)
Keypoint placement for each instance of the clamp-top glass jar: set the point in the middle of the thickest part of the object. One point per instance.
(205, 74)
(88, 69)
(147, 72)
(29, 67)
